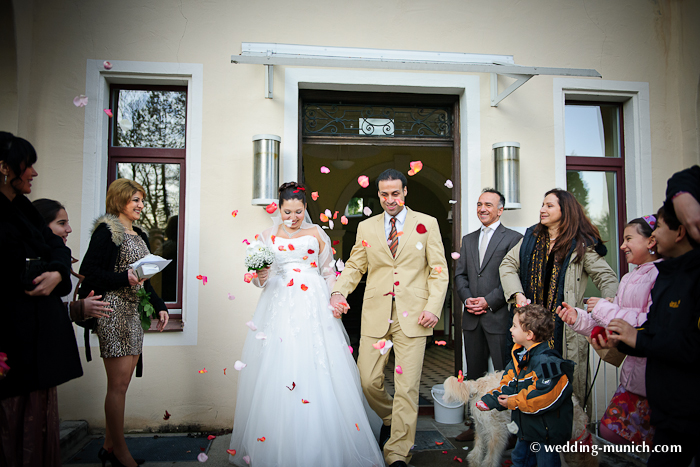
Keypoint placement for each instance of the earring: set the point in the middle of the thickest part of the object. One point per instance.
(652, 252)
(5, 182)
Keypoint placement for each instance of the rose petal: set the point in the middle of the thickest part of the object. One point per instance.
(199, 278)
(420, 228)
(391, 320)
(344, 220)
(210, 437)
(398, 234)
(231, 297)
(440, 343)
(363, 180)
(270, 208)
(419, 245)
(386, 348)
(365, 244)
(304, 401)
(438, 269)
(245, 240)
(247, 277)
(449, 184)
(166, 416)
(367, 211)
(231, 452)
(281, 248)
(202, 457)
(246, 459)
(350, 347)
(314, 195)
(262, 440)
(439, 443)
(460, 376)
(416, 167)
(109, 113)
(293, 386)
(335, 215)
(453, 201)
(325, 170)
(296, 270)
(234, 213)
(379, 344)
(291, 247)
(405, 314)
(339, 265)
(290, 283)
(304, 287)
(261, 336)
(390, 293)
(455, 255)
(80, 101)
(357, 426)
(396, 283)
(202, 371)
(224, 371)
(272, 237)
(331, 224)
(324, 217)
(107, 65)
(313, 264)
(239, 365)
(399, 370)
(400, 202)
(254, 274)
(311, 252)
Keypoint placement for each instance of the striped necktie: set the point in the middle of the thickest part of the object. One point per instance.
(393, 238)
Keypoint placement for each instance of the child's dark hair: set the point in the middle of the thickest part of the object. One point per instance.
(643, 227)
(668, 214)
(391, 174)
(537, 319)
(17, 153)
(48, 209)
(292, 190)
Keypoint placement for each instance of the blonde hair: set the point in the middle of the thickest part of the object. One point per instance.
(119, 193)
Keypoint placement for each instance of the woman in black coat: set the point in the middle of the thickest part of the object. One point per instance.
(35, 330)
(116, 244)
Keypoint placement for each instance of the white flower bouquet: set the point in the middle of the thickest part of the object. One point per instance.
(258, 256)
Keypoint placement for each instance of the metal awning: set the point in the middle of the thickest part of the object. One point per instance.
(270, 54)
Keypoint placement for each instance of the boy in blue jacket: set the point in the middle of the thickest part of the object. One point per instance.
(536, 386)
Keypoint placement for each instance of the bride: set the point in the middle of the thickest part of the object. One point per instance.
(299, 397)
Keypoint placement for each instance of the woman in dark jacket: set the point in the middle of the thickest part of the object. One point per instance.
(35, 331)
(116, 244)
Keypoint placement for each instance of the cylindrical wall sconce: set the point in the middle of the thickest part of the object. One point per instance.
(507, 159)
(266, 169)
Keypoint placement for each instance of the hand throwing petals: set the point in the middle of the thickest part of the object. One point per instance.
(270, 208)
(419, 245)
(251, 325)
(343, 220)
(261, 336)
(455, 255)
(399, 370)
(449, 184)
(367, 211)
(80, 101)
(314, 195)
(325, 170)
(239, 365)
(363, 180)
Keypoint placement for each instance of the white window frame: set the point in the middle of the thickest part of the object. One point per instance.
(634, 97)
(95, 165)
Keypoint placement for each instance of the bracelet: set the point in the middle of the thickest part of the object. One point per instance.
(336, 293)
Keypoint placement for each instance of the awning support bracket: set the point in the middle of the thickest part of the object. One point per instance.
(496, 98)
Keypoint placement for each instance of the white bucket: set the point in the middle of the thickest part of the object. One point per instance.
(450, 414)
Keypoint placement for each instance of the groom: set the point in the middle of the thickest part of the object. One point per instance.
(402, 252)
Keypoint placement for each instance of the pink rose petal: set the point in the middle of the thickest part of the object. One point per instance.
(331, 224)
(80, 101)
(344, 220)
(363, 180)
(455, 255)
(325, 170)
(405, 314)
(449, 184)
(109, 113)
(231, 297)
(246, 459)
(260, 336)
(453, 201)
(367, 211)
(202, 457)
(107, 65)
(239, 365)
(399, 370)
(350, 347)
(391, 320)
(386, 348)
(251, 325)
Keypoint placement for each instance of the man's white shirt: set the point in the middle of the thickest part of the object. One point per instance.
(400, 221)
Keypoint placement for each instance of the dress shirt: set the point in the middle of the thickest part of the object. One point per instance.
(493, 228)
(400, 221)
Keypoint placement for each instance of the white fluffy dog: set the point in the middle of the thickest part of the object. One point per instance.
(491, 431)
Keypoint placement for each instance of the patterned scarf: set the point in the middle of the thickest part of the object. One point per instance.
(538, 278)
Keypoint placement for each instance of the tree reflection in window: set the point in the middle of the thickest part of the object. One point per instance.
(150, 119)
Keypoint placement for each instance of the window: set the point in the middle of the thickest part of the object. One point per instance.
(595, 172)
(147, 144)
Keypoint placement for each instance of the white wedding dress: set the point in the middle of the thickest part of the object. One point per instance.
(299, 397)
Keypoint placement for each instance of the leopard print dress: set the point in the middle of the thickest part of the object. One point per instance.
(121, 333)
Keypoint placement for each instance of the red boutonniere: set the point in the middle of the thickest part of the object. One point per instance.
(420, 228)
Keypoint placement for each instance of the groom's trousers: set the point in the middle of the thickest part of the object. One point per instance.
(401, 411)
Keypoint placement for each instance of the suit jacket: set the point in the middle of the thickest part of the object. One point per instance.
(418, 276)
(472, 280)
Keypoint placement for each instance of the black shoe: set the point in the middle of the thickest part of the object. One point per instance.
(398, 464)
(103, 455)
(112, 458)
(384, 435)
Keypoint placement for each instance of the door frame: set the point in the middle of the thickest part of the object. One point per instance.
(466, 147)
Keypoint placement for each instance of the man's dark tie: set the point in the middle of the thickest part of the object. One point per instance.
(393, 238)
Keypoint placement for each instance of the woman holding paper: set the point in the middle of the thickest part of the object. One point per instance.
(116, 244)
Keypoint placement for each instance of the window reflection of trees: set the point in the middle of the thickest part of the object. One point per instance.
(151, 119)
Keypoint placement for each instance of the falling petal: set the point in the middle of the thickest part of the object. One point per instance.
(405, 314)
(455, 255)
(305, 258)
(281, 248)
(411, 173)
(293, 386)
(439, 443)
(386, 348)
(438, 269)
(239, 365)
(444, 452)
(199, 278)
(398, 234)
(419, 245)
(262, 440)
(290, 283)
(363, 180)
(420, 228)
(390, 293)
(335, 215)
(261, 336)
(304, 401)
(245, 240)
(325, 170)
(311, 252)
(440, 343)
(328, 213)
(80, 101)
(296, 269)
(339, 265)
(365, 244)
(202, 457)
(270, 208)
(272, 237)
(210, 437)
(314, 195)
(357, 426)
(416, 167)
(109, 113)
(254, 274)
(396, 283)
(344, 220)
(224, 371)
(350, 347)
(202, 371)
(400, 202)
(107, 65)
(246, 459)
(166, 416)
(460, 376)
(379, 344)
(288, 223)
(330, 224)
(231, 452)
(324, 218)
(235, 213)
(304, 287)
(367, 211)
(247, 277)
(449, 184)
(231, 297)
(399, 370)
(291, 247)
(453, 201)
(457, 459)
(391, 320)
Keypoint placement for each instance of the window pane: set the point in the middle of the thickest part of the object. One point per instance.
(150, 119)
(354, 207)
(597, 193)
(592, 130)
(160, 217)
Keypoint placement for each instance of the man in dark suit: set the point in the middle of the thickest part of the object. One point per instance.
(486, 319)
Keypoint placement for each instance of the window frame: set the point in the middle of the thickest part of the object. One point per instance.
(607, 164)
(121, 154)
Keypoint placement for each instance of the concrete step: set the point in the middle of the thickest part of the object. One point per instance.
(74, 435)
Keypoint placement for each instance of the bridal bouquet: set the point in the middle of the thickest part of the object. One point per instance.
(258, 256)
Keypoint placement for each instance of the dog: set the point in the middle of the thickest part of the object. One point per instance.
(491, 428)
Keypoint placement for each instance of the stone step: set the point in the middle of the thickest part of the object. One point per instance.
(74, 435)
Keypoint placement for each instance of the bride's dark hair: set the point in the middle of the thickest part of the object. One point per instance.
(292, 190)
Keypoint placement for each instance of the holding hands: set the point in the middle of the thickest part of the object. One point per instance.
(476, 306)
(339, 304)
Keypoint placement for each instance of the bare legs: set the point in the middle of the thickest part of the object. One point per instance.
(119, 371)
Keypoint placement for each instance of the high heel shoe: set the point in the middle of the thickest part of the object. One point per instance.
(116, 463)
(103, 455)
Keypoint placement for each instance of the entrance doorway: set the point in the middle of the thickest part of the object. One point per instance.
(355, 134)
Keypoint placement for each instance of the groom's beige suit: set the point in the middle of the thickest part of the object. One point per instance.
(418, 278)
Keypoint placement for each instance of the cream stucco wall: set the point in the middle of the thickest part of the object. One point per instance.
(652, 42)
